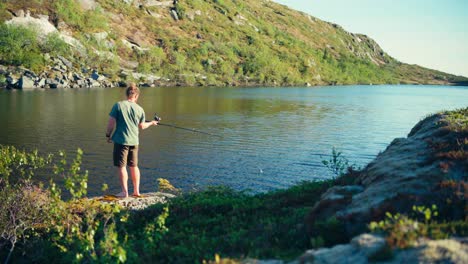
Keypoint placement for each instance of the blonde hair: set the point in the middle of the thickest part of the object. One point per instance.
(132, 90)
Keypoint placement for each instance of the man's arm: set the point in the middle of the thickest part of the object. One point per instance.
(110, 127)
(145, 124)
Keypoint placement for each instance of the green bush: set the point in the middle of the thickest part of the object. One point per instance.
(54, 45)
(402, 231)
(19, 46)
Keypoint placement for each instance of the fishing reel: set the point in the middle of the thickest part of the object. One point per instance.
(156, 117)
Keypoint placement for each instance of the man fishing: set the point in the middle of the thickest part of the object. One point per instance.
(126, 118)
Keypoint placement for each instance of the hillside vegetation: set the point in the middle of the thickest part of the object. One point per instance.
(199, 42)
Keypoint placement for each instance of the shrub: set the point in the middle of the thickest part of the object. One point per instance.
(19, 46)
(403, 231)
(54, 45)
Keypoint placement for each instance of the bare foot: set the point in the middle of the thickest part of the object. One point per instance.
(122, 195)
(136, 195)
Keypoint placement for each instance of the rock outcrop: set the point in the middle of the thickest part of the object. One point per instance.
(138, 203)
(368, 248)
(428, 167)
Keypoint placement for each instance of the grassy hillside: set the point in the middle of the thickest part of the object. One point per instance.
(213, 42)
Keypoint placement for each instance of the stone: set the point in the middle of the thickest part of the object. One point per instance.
(336, 254)
(363, 248)
(19, 13)
(150, 3)
(101, 36)
(65, 62)
(81, 82)
(369, 244)
(138, 203)
(41, 83)
(59, 69)
(77, 77)
(26, 82)
(174, 15)
(43, 26)
(88, 4)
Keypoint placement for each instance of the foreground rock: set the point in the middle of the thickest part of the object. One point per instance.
(368, 248)
(428, 167)
(138, 203)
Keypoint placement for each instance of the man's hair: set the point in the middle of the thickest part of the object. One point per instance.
(132, 90)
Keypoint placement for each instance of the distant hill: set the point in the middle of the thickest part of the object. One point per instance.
(197, 42)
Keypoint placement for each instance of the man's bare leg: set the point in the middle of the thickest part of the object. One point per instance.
(135, 173)
(123, 175)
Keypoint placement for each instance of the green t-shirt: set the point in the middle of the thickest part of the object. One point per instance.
(128, 116)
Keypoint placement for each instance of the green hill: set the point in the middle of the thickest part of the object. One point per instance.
(198, 42)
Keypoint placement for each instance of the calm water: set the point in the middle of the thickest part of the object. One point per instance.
(272, 137)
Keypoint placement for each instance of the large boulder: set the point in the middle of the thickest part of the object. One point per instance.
(421, 169)
(42, 24)
(368, 248)
(26, 82)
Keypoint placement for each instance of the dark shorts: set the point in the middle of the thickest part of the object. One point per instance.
(124, 155)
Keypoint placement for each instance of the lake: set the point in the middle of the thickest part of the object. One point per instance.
(271, 138)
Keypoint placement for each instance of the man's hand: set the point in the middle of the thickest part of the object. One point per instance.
(109, 140)
(154, 122)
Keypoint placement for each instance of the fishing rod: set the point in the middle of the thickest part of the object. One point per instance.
(157, 118)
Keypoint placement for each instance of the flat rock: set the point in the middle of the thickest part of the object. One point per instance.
(138, 203)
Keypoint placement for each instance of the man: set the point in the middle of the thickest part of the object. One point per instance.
(127, 117)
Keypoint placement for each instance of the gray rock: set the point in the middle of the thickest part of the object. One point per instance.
(158, 3)
(101, 36)
(26, 82)
(174, 15)
(139, 203)
(41, 83)
(51, 83)
(88, 4)
(369, 244)
(59, 69)
(77, 77)
(81, 82)
(19, 13)
(364, 247)
(65, 62)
